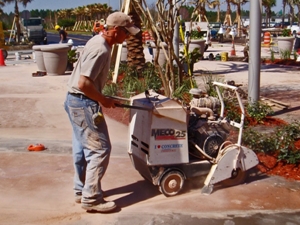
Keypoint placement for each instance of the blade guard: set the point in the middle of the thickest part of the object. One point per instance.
(229, 159)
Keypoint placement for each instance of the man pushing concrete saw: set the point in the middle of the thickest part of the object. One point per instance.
(91, 145)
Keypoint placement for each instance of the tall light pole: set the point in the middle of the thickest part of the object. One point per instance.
(176, 32)
(254, 51)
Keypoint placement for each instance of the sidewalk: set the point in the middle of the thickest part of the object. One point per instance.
(36, 187)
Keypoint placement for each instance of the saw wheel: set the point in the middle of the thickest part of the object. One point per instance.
(171, 183)
(238, 176)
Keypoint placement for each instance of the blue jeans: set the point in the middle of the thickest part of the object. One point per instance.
(91, 148)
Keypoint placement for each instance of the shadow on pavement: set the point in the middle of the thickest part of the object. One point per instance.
(286, 111)
(228, 68)
(135, 192)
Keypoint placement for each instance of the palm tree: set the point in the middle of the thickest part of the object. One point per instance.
(268, 4)
(81, 12)
(238, 4)
(297, 3)
(135, 54)
(227, 19)
(292, 15)
(106, 10)
(17, 16)
(200, 8)
(1, 5)
(62, 13)
(213, 5)
(284, 3)
(76, 13)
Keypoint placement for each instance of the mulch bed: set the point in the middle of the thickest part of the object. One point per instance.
(284, 62)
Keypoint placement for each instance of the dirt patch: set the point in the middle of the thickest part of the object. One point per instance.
(270, 165)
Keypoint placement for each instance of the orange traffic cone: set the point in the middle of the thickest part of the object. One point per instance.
(232, 53)
(2, 63)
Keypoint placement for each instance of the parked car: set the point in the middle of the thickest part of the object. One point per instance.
(272, 24)
(214, 29)
(282, 25)
(215, 25)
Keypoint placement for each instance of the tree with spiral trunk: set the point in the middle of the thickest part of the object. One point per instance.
(134, 43)
(268, 4)
(238, 4)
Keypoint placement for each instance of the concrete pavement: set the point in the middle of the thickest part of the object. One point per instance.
(36, 187)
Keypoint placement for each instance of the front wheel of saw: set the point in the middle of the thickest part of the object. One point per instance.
(171, 183)
(238, 176)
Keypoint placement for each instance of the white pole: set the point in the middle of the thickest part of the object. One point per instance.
(254, 51)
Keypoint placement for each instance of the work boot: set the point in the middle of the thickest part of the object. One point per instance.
(102, 207)
(78, 196)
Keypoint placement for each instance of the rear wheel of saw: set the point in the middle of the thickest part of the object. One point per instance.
(171, 183)
(212, 145)
(238, 176)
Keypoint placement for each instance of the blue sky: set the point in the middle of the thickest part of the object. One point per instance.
(115, 4)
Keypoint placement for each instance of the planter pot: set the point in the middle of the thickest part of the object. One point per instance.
(285, 44)
(161, 58)
(55, 58)
(186, 68)
(38, 54)
(197, 43)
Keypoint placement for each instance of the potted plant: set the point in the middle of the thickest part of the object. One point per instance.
(72, 58)
(285, 42)
(197, 41)
(188, 60)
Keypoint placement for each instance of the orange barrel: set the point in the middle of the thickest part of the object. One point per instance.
(147, 36)
(267, 38)
(143, 37)
(151, 38)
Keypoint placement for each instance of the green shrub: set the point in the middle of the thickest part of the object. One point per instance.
(257, 141)
(259, 111)
(286, 54)
(281, 141)
(66, 23)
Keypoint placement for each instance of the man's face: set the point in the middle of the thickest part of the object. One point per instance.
(122, 34)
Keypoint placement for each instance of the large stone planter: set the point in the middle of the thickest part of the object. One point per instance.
(55, 58)
(285, 44)
(197, 43)
(38, 54)
(161, 57)
(186, 68)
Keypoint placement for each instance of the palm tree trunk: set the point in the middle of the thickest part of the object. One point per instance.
(17, 21)
(238, 17)
(135, 49)
(228, 14)
(283, 10)
(218, 13)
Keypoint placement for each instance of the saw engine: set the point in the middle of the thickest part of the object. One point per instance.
(206, 131)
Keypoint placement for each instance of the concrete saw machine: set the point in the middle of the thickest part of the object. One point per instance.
(170, 142)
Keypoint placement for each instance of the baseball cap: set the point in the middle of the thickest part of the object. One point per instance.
(122, 20)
